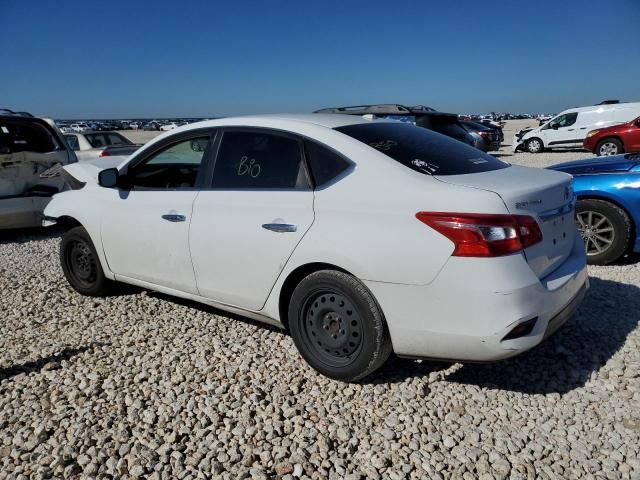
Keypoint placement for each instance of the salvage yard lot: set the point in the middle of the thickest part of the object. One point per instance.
(143, 385)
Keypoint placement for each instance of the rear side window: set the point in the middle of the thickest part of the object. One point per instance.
(98, 140)
(325, 164)
(446, 127)
(423, 150)
(72, 140)
(259, 160)
(26, 136)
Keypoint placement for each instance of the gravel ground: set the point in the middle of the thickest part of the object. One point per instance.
(142, 385)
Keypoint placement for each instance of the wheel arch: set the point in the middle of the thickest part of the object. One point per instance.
(67, 222)
(609, 137)
(293, 279)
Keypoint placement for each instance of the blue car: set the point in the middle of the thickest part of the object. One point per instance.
(608, 205)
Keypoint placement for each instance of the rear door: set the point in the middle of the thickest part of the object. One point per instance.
(247, 224)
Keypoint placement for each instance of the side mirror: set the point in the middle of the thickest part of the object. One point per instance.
(555, 127)
(108, 178)
(637, 123)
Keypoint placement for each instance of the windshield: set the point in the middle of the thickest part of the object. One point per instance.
(423, 150)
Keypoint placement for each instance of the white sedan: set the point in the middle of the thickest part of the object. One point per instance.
(361, 237)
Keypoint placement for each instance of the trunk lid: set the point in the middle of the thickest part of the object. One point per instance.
(543, 194)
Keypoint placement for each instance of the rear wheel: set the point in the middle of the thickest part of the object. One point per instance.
(534, 145)
(81, 265)
(605, 229)
(338, 326)
(609, 146)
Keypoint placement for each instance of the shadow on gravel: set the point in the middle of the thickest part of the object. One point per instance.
(52, 362)
(567, 360)
(215, 311)
(22, 235)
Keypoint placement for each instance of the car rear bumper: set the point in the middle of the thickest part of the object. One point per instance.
(468, 310)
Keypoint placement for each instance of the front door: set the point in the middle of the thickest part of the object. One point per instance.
(145, 227)
(562, 132)
(245, 228)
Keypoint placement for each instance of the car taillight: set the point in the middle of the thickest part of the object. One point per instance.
(104, 153)
(484, 235)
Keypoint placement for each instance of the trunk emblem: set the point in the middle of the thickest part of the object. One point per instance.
(527, 203)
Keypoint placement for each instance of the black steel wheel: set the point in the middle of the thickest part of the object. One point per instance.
(332, 327)
(338, 326)
(81, 265)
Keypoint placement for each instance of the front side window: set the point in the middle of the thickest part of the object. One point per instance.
(423, 150)
(259, 160)
(174, 167)
(563, 121)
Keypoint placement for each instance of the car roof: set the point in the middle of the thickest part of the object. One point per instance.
(328, 120)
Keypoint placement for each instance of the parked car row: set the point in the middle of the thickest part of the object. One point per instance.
(111, 125)
(614, 126)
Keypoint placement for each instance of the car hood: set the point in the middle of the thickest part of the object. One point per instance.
(612, 164)
(88, 171)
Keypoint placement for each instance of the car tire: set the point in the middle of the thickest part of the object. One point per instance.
(534, 145)
(338, 326)
(609, 146)
(605, 229)
(81, 264)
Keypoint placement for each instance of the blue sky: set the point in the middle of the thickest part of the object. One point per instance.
(167, 58)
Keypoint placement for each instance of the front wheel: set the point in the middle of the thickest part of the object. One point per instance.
(338, 326)
(81, 265)
(605, 229)
(534, 145)
(609, 146)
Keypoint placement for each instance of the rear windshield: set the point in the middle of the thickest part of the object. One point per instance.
(423, 150)
(445, 126)
(23, 135)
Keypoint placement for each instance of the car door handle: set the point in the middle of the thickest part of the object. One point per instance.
(570, 129)
(280, 227)
(173, 217)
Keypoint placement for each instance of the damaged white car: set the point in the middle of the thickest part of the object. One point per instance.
(32, 153)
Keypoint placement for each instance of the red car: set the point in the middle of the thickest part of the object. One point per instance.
(614, 140)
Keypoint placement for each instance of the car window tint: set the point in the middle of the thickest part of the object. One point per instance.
(256, 160)
(117, 139)
(565, 120)
(423, 150)
(324, 163)
(174, 167)
(72, 140)
(26, 136)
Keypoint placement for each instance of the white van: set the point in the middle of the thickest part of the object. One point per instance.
(569, 128)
